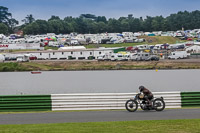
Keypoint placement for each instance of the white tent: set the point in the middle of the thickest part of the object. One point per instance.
(193, 49)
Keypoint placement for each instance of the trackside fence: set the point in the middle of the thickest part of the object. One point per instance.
(103, 101)
(190, 99)
(90, 101)
(25, 103)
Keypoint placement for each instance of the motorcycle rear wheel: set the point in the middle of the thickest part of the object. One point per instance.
(131, 105)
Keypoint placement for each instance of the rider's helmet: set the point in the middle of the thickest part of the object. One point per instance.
(141, 88)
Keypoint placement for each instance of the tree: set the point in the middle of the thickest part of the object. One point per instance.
(147, 25)
(3, 29)
(32, 29)
(130, 16)
(165, 25)
(68, 27)
(54, 18)
(89, 16)
(91, 26)
(55, 26)
(194, 20)
(89, 23)
(4, 15)
(125, 25)
(6, 18)
(114, 25)
(102, 27)
(81, 25)
(69, 19)
(28, 19)
(43, 26)
(12, 22)
(101, 19)
(70, 24)
(157, 23)
(135, 24)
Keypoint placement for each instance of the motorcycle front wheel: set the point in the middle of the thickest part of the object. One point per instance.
(159, 104)
(131, 105)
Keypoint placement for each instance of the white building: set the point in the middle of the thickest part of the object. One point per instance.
(72, 54)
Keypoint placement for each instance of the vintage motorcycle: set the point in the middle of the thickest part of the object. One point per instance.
(158, 104)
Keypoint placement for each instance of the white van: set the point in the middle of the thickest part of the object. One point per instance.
(113, 57)
(133, 56)
(104, 57)
(140, 56)
(119, 57)
(101, 58)
(178, 55)
(23, 58)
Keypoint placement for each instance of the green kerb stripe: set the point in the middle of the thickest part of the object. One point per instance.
(190, 99)
(25, 103)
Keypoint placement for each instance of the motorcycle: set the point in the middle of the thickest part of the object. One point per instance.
(158, 104)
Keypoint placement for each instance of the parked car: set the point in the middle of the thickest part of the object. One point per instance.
(152, 58)
(32, 57)
(180, 47)
(189, 39)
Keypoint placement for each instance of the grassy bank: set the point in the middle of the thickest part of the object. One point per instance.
(160, 40)
(108, 65)
(149, 40)
(12, 66)
(95, 65)
(156, 126)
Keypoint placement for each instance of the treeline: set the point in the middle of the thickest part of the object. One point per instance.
(7, 23)
(88, 23)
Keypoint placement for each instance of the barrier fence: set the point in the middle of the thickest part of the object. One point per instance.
(99, 101)
(190, 99)
(90, 101)
(25, 103)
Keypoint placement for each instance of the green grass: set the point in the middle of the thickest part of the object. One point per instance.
(156, 126)
(12, 66)
(164, 39)
(53, 48)
(78, 65)
(112, 45)
(37, 66)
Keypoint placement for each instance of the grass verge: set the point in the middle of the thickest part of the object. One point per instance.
(95, 65)
(12, 66)
(150, 126)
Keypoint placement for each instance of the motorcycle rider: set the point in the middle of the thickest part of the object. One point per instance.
(147, 94)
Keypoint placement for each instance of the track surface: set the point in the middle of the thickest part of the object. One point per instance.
(98, 116)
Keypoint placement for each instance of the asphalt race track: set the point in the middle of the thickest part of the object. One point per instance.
(97, 116)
